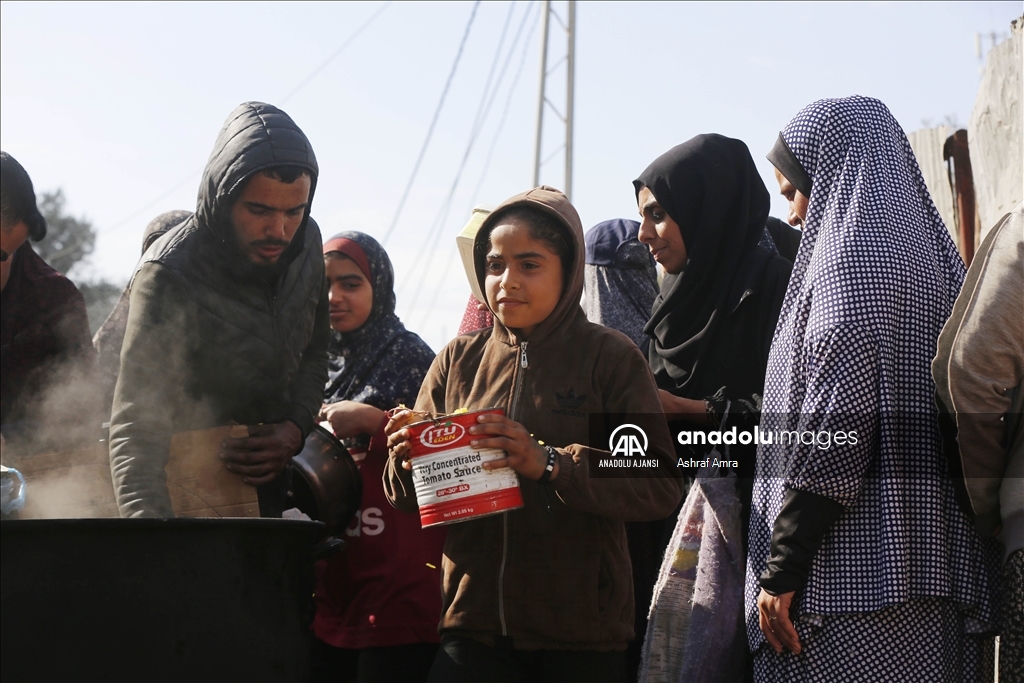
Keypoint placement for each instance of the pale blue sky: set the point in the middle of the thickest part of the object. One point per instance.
(119, 103)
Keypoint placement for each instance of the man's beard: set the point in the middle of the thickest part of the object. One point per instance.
(269, 242)
(263, 270)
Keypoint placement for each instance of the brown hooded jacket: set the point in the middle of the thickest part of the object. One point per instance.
(558, 578)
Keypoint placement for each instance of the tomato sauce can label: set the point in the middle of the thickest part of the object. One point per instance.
(451, 485)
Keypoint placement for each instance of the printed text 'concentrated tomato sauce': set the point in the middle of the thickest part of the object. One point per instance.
(451, 485)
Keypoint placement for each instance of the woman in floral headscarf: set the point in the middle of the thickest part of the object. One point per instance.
(378, 601)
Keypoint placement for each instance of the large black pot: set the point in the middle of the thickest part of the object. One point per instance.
(156, 599)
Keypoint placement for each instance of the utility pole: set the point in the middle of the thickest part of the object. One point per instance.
(542, 83)
(543, 101)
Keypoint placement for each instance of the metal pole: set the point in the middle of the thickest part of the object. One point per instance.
(965, 198)
(570, 77)
(545, 11)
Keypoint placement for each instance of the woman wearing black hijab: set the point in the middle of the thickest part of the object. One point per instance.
(704, 209)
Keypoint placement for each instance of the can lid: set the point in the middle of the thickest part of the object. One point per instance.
(435, 419)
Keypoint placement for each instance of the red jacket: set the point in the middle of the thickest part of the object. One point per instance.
(384, 588)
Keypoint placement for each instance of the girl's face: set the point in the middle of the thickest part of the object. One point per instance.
(523, 280)
(350, 294)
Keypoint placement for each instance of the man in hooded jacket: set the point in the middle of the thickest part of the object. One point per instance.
(228, 320)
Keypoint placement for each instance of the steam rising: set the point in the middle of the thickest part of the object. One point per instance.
(56, 444)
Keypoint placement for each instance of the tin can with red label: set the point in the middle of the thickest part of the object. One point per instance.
(451, 484)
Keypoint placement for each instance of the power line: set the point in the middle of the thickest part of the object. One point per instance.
(430, 130)
(124, 221)
(442, 214)
(486, 100)
(497, 133)
(504, 115)
(344, 46)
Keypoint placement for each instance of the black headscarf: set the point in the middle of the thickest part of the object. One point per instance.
(710, 186)
(381, 363)
(782, 158)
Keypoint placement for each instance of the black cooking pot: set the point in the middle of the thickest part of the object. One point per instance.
(327, 484)
(156, 599)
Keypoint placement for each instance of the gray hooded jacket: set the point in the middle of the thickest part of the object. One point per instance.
(211, 338)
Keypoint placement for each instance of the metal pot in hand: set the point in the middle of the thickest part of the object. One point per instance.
(326, 483)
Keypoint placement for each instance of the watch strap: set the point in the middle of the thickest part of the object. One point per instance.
(550, 466)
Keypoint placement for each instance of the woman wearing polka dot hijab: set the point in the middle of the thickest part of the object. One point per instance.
(861, 566)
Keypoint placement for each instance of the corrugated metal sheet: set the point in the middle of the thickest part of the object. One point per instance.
(995, 131)
(927, 145)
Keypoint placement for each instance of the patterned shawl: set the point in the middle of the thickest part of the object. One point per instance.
(620, 279)
(381, 363)
(875, 278)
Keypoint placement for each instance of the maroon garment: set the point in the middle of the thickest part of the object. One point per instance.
(475, 319)
(384, 588)
(44, 331)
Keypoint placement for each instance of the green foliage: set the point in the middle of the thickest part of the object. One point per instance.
(68, 240)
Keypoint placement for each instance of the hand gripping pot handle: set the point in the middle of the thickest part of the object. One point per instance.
(327, 484)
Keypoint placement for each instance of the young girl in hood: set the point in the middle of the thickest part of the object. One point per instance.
(377, 602)
(543, 592)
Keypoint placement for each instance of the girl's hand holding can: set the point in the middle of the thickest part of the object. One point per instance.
(522, 452)
(398, 436)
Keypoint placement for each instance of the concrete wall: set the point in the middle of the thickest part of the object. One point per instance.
(995, 134)
(927, 144)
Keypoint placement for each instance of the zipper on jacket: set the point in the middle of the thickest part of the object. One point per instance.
(523, 365)
(501, 573)
(274, 325)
